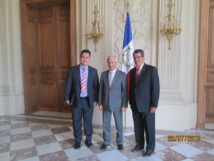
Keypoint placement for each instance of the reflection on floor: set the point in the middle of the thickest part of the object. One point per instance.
(46, 136)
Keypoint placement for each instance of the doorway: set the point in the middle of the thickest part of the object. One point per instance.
(49, 49)
(206, 65)
(210, 67)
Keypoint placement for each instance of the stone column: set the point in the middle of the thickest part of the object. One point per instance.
(11, 79)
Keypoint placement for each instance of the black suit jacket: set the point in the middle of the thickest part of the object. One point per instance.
(73, 86)
(145, 93)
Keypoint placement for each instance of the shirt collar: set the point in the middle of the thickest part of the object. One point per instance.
(141, 66)
(83, 67)
(113, 71)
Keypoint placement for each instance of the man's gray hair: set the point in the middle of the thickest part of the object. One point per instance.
(113, 56)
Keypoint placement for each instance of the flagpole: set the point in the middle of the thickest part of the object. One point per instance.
(127, 59)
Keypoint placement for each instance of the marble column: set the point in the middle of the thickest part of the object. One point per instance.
(11, 79)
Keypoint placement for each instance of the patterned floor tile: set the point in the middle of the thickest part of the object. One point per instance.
(57, 156)
(48, 148)
(45, 140)
(186, 150)
(4, 139)
(5, 156)
(67, 144)
(64, 136)
(211, 152)
(169, 154)
(20, 130)
(60, 130)
(41, 133)
(4, 148)
(112, 155)
(35, 138)
(23, 154)
(22, 144)
(203, 156)
(74, 154)
(23, 136)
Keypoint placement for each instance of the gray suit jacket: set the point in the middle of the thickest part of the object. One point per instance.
(114, 97)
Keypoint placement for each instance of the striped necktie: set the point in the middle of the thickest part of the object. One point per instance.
(83, 79)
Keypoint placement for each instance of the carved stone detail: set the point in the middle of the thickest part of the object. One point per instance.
(140, 16)
(169, 61)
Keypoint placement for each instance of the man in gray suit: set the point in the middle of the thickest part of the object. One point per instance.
(113, 98)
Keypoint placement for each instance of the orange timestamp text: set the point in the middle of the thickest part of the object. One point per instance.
(184, 138)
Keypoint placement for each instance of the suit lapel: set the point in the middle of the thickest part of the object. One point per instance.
(78, 75)
(107, 79)
(134, 74)
(89, 76)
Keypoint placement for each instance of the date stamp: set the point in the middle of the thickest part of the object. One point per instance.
(184, 138)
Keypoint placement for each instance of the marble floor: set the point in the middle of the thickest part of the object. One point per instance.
(46, 136)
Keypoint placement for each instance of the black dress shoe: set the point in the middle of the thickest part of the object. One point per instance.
(76, 145)
(88, 144)
(120, 147)
(103, 147)
(148, 153)
(137, 148)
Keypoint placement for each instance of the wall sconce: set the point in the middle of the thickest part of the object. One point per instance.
(169, 27)
(95, 30)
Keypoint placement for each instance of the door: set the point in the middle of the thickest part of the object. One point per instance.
(206, 65)
(47, 53)
(210, 68)
(30, 65)
(54, 55)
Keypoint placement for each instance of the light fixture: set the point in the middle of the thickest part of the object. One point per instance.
(95, 30)
(170, 27)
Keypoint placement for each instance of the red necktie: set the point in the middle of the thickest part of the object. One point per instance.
(137, 75)
(83, 79)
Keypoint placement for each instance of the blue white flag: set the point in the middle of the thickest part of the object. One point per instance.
(128, 47)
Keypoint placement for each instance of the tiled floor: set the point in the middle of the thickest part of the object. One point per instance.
(41, 137)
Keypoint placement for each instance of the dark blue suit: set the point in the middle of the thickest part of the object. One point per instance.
(82, 108)
(143, 95)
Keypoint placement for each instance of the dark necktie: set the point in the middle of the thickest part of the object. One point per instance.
(137, 75)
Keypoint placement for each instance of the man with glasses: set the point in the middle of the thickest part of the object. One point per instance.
(81, 93)
(144, 96)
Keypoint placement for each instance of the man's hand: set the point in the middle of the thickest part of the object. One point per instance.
(67, 102)
(153, 109)
(95, 104)
(123, 109)
(101, 107)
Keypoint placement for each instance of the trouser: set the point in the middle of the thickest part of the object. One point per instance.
(82, 111)
(118, 117)
(144, 122)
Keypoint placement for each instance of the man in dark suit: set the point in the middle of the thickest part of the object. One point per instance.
(144, 96)
(81, 93)
(112, 99)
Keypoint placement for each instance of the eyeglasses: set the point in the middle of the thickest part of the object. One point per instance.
(137, 57)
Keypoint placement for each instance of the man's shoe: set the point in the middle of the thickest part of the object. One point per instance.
(103, 147)
(89, 144)
(137, 148)
(120, 147)
(76, 145)
(148, 153)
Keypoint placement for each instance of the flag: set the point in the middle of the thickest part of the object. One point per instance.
(128, 47)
